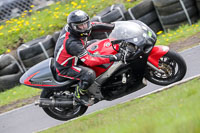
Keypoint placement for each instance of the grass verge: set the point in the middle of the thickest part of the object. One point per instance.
(175, 110)
(17, 93)
(183, 32)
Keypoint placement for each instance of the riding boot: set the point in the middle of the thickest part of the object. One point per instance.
(81, 95)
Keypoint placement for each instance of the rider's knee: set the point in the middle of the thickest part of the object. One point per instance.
(91, 75)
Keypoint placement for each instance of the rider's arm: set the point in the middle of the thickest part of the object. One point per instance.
(76, 48)
(102, 27)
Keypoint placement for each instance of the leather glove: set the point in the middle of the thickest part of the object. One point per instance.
(116, 57)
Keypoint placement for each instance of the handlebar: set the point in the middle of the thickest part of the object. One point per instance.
(117, 41)
(121, 48)
(125, 51)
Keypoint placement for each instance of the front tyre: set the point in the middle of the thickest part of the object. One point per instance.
(62, 113)
(173, 66)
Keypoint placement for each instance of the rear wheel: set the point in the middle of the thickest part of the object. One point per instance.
(173, 67)
(62, 113)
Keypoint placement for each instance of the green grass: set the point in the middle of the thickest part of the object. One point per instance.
(40, 23)
(176, 110)
(183, 32)
(17, 93)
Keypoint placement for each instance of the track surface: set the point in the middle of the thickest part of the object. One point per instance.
(31, 118)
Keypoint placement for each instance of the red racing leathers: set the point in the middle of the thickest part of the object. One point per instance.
(70, 49)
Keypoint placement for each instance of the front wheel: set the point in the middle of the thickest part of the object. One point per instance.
(173, 67)
(62, 113)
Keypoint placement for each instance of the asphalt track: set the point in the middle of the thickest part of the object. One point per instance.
(31, 118)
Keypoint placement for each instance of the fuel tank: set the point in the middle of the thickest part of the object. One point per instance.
(102, 47)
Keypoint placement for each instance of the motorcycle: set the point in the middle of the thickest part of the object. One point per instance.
(142, 61)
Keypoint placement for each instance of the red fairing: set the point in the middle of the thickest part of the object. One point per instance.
(156, 53)
(103, 47)
(27, 81)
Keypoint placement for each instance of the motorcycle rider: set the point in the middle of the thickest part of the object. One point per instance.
(71, 49)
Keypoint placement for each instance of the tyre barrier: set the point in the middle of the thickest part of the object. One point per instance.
(166, 3)
(173, 26)
(55, 36)
(149, 17)
(5, 60)
(10, 72)
(10, 69)
(139, 10)
(179, 16)
(37, 58)
(152, 21)
(108, 15)
(174, 7)
(28, 55)
(9, 81)
(42, 48)
(173, 13)
(156, 26)
(9, 65)
(115, 15)
(146, 13)
(198, 6)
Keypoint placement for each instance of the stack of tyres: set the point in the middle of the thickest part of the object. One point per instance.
(111, 14)
(146, 13)
(108, 15)
(10, 72)
(35, 51)
(55, 36)
(28, 54)
(174, 13)
(198, 6)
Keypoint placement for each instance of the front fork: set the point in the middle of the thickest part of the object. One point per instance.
(155, 55)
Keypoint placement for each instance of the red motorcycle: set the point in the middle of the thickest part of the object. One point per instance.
(142, 60)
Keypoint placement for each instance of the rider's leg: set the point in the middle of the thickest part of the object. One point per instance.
(86, 77)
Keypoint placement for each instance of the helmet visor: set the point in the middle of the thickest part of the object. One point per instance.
(81, 27)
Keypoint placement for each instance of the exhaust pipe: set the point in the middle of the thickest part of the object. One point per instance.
(45, 102)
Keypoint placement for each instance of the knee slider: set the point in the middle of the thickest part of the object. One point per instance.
(91, 75)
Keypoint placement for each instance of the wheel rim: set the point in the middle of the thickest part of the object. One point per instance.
(170, 68)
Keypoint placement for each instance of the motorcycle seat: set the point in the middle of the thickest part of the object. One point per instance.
(55, 75)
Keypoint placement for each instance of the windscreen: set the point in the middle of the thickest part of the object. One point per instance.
(126, 30)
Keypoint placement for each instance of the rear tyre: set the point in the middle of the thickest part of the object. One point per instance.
(174, 68)
(61, 113)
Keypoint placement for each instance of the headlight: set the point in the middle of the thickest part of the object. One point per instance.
(132, 48)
